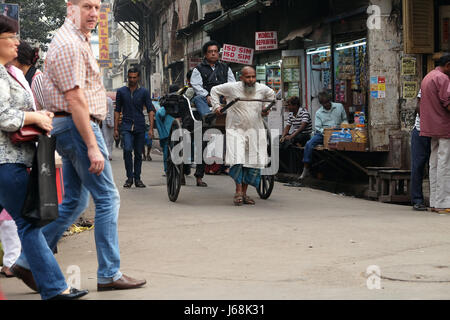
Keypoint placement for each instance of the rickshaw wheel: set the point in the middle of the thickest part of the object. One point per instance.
(266, 187)
(174, 172)
(267, 182)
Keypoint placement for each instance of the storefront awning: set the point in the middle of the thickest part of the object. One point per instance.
(125, 11)
(299, 33)
(186, 32)
(236, 14)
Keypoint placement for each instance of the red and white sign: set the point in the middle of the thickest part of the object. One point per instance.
(267, 40)
(237, 54)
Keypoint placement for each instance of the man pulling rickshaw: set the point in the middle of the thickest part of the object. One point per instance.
(246, 138)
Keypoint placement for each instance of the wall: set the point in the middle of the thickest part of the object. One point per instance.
(390, 118)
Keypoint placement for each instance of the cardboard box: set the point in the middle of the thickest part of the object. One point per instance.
(327, 132)
(352, 146)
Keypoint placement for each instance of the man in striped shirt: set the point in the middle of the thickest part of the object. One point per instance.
(299, 125)
(74, 91)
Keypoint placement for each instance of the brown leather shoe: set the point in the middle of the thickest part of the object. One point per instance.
(123, 283)
(6, 272)
(25, 275)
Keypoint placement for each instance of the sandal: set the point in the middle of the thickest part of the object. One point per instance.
(248, 200)
(441, 211)
(238, 199)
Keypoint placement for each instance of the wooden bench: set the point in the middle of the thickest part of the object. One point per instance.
(395, 186)
(375, 181)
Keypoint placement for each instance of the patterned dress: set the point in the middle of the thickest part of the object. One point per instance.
(14, 101)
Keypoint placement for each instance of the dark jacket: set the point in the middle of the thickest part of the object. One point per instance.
(212, 78)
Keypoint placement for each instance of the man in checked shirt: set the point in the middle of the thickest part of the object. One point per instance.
(74, 91)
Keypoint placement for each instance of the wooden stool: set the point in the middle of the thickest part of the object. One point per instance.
(375, 181)
(395, 186)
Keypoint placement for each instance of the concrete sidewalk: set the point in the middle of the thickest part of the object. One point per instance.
(299, 244)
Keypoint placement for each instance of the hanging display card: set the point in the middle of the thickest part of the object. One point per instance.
(261, 73)
(294, 90)
(287, 75)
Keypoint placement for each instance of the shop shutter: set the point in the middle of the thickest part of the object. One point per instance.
(418, 26)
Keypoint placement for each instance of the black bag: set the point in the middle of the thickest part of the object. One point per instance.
(41, 202)
(177, 106)
(171, 103)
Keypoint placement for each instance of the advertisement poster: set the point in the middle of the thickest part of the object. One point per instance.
(236, 54)
(378, 87)
(408, 66)
(267, 40)
(410, 89)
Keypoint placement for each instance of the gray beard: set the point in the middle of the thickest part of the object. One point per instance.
(249, 90)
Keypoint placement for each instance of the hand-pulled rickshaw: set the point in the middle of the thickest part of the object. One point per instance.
(187, 119)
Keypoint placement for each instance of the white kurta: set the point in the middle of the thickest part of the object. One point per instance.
(246, 137)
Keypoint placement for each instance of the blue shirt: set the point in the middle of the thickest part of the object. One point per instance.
(132, 106)
(330, 118)
(163, 123)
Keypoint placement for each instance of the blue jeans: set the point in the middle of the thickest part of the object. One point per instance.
(133, 141)
(78, 184)
(420, 155)
(316, 140)
(46, 271)
(164, 143)
(201, 103)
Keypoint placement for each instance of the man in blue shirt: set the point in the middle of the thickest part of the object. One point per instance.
(131, 100)
(330, 115)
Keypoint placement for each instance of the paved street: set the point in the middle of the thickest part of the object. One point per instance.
(299, 244)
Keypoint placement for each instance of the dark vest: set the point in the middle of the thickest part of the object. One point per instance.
(212, 78)
(30, 75)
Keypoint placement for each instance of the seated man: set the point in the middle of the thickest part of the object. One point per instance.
(330, 115)
(211, 72)
(299, 123)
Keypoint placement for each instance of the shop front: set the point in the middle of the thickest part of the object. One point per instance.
(337, 63)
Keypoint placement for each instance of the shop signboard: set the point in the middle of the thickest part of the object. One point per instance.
(291, 62)
(267, 40)
(236, 54)
(444, 27)
(103, 37)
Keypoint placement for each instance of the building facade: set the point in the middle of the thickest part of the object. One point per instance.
(370, 55)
